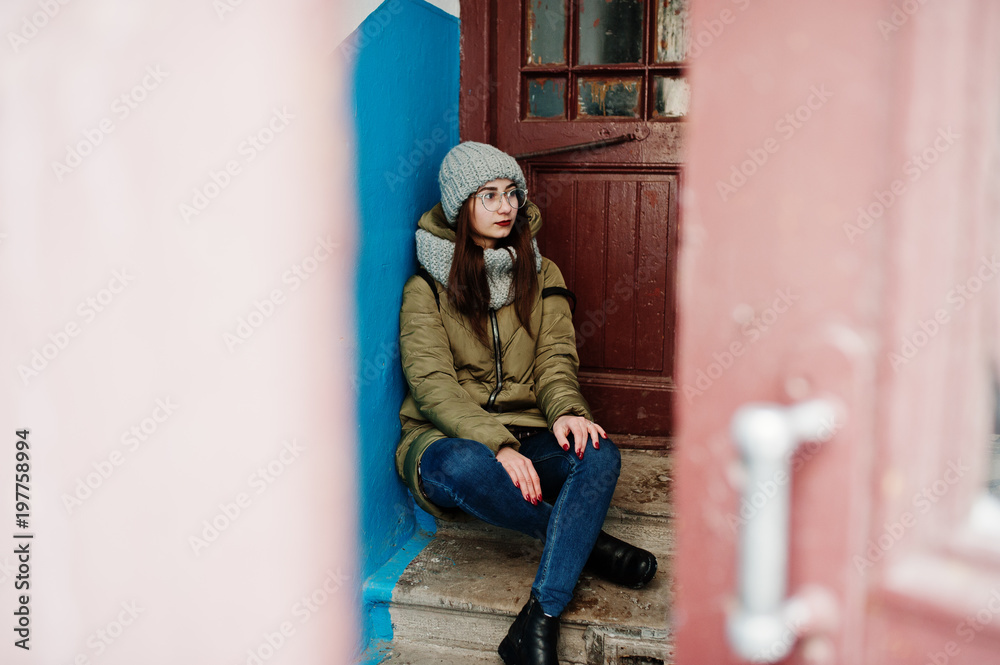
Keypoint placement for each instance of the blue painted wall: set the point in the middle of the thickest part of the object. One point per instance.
(406, 84)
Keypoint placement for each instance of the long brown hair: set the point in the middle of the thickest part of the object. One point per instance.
(468, 288)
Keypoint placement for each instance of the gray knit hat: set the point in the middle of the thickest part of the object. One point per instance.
(467, 167)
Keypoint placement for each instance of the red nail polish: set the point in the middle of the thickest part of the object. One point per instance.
(517, 484)
(566, 447)
(597, 446)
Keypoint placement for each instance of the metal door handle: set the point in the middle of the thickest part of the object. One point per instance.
(589, 145)
(766, 436)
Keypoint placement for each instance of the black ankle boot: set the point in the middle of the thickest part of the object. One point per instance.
(532, 637)
(621, 563)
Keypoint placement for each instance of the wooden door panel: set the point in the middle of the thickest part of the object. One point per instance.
(654, 282)
(620, 338)
(589, 210)
(611, 233)
(615, 259)
(558, 237)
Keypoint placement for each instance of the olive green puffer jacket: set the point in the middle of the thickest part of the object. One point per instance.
(451, 373)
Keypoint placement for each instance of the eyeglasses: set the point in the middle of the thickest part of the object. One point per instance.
(516, 198)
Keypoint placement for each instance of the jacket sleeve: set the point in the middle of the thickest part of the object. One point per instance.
(429, 367)
(557, 388)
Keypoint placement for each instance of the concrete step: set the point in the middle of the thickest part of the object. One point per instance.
(426, 654)
(458, 597)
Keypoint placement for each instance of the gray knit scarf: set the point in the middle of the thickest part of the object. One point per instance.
(436, 254)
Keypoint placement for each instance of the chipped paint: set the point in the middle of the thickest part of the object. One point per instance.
(546, 97)
(671, 30)
(673, 96)
(594, 94)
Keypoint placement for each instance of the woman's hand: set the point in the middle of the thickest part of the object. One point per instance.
(522, 473)
(581, 428)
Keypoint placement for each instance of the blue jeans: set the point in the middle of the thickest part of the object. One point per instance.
(461, 473)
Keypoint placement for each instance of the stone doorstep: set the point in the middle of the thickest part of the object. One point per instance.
(463, 592)
(453, 638)
(426, 654)
(645, 485)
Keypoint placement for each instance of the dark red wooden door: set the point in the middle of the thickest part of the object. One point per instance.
(540, 75)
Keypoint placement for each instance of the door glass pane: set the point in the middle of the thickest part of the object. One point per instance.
(671, 97)
(671, 30)
(547, 97)
(546, 41)
(611, 31)
(609, 97)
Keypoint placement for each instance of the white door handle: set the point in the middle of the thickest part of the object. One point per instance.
(767, 436)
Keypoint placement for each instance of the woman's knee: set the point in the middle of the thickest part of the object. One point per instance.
(605, 458)
(614, 455)
(452, 459)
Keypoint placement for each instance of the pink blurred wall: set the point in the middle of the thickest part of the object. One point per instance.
(198, 364)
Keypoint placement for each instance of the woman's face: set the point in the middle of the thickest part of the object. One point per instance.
(489, 227)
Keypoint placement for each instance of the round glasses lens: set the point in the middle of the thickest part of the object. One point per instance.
(517, 198)
(491, 201)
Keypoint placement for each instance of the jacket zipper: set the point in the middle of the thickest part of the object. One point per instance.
(491, 402)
